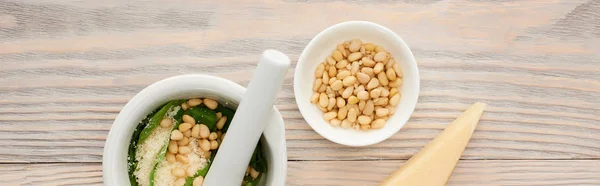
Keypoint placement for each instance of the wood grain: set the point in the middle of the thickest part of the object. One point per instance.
(67, 67)
(468, 172)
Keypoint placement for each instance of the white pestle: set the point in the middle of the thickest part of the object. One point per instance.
(233, 157)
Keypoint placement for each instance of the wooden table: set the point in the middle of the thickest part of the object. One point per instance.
(67, 67)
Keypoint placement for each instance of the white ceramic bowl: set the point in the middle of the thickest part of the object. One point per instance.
(321, 46)
(114, 162)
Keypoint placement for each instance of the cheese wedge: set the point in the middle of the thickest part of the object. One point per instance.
(433, 165)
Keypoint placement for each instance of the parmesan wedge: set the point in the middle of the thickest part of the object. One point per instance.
(433, 165)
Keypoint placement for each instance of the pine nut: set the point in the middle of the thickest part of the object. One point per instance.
(374, 83)
(325, 78)
(398, 70)
(176, 135)
(355, 56)
(390, 63)
(253, 173)
(184, 127)
(352, 113)
(363, 78)
(198, 181)
(340, 102)
(183, 141)
(391, 109)
(352, 100)
(375, 93)
(191, 171)
(331, 103)
(368, 71)
(348, 81)
(335, 122)
(342, 50)
(395, 99)
(179, 182)
(378, 123)
(185, 106)
(322, 88)
(365, 127)
(171, 157)
(178, 172)
(332, 72)
(214, 144)
(330, 115)
(324, 109)
(396, 83)
(384, 92)
(173, 147)
(330, 60)
(187, 133)
(342, 64)
(359, 89)
(346, 124)
(184, 150)
(323, 100)
(219, 114)
(369, 107)
(355, 45)
(210, 103)
(337, 55)
(196, 131)
(188, 119)
(382, 79)
(342, 113)
(207, 154)
(393, 92)
(381, 56)
(362, 95)
(369, 46)
(213, 136)
(221, 122)
(379, 49)
(368, 62)
(166, 122)
(391, 74)
(342, 74)
(361, 105)
(317, 83)
(204, 145)
(378, 68)
(181, 158)
(364, 120)
(204, 131)
(314, 98)
(347, 92)
(194, 102)
(328, 91)
(337, 85)
(320, 70)
(382, 112)
(354, 68)
(381, 101)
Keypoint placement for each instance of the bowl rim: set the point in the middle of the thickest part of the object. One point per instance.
(412, 101)
(115, 172)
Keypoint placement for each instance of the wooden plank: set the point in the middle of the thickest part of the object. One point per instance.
(67, 67)
(468, 172)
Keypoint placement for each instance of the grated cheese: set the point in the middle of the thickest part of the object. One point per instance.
(146, 154)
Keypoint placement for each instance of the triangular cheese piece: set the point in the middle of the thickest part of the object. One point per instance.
(433, 165)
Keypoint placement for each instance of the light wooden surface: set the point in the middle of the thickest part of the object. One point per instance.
(67, 67)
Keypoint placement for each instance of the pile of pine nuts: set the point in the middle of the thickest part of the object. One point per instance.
(179, 144)
(357, 86)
